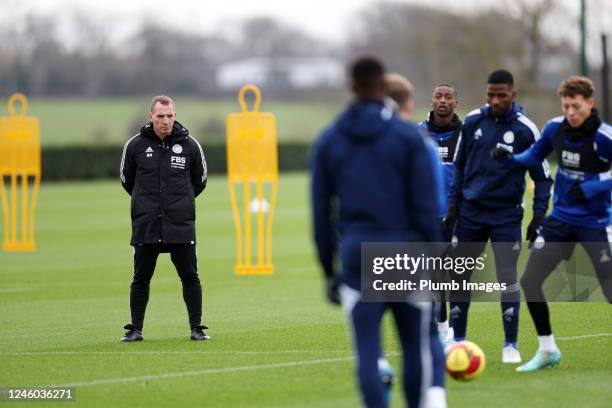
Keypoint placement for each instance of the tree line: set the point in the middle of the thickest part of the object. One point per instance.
(429, 45)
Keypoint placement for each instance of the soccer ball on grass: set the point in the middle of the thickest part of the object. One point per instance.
(465, 361)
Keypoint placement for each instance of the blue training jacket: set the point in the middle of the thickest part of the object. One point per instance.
(596, 185)
(373, 180)
(446, 140)
(497, 184)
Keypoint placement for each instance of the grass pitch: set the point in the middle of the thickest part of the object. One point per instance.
(113, 121)
(74, 121)
(276, 343)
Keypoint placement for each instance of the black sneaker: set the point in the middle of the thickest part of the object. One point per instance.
(197, 333)
(132, 334)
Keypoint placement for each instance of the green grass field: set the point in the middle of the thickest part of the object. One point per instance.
(113, 121)
(276, 343)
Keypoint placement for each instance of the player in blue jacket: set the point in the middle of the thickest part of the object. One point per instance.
(400, 92)
(582, 204)
(486, 199)
(373, 181)
(444, 127)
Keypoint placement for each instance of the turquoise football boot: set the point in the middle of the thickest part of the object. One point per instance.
(388, 378)
(542, 359)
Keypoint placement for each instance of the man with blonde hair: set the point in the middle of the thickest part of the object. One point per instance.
(401, 91)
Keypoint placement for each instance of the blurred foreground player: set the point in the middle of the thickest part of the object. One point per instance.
(373, 181)
(401, 91)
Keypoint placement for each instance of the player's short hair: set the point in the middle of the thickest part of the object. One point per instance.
(446, 84)
(576, 85)
(399, 88)
(501, 76)
(162, 99)
(366, 73)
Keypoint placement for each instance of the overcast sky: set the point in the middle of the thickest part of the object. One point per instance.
(328, 19)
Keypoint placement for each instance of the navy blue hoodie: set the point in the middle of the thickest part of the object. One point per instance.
(372, 180)
(497, 184)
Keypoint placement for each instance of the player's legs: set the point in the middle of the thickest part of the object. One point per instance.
(364, 319)
(423, 359)
(438, 357)
(597, 242)
(145, 259)
(441, 305)
(445, 330)
(506, 242)
(544, 258)
(472, 234)
(185, 261)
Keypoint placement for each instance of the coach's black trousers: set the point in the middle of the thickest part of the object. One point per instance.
(184, 258)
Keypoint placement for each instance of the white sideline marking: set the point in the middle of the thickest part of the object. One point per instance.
(586, 336)
(127, 352)
(10, 290)
(201, 372)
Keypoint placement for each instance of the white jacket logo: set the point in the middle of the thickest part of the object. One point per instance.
(177, 148)
(177, 162)
(570, 159)
(443, 152)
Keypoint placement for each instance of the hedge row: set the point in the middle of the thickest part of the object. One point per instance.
(88, 162)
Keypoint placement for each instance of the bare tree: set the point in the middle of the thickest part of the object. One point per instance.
(547, 28)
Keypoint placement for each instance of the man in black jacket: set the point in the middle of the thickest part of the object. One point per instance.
(163, 169)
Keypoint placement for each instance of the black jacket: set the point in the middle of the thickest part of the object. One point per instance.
(163, 178)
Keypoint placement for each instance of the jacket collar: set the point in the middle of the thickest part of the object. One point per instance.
(509, 116)
(454, 124)
(178, 131)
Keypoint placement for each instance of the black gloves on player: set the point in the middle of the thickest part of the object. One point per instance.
(449, 221)
(534, 225)
(576, 193)
(500, 152)
(332, 289)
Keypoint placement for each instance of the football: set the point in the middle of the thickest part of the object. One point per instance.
(465, 361)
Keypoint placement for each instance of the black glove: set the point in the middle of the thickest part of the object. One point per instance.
(500, 152)
(332, 286)
(576, 193)
(447, 235)
(534, 225)
(449, 221)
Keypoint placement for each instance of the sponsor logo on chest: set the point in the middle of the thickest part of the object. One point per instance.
(570, 159)
(443, 152)
(177, 162)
